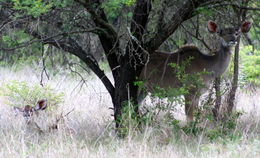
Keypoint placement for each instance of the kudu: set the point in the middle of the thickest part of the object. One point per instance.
(28, 110)
(158, 71)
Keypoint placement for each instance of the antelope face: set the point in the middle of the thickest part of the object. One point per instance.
(27, 111)
(230, 35)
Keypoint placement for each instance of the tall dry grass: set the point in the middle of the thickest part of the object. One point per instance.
(88, 130)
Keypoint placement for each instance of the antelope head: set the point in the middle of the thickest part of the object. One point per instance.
(27, 111)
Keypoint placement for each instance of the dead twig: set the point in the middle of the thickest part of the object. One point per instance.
(55, 125)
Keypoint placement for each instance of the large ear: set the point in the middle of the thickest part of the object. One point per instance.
(212, 27)
(41, 104)
(245, 27)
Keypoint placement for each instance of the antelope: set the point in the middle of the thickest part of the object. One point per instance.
(158, 72)
(28, 110)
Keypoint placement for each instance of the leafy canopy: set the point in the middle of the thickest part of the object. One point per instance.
(36, 7)
(113, 7)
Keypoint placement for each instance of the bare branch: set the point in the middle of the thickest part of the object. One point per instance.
(99, 19)
(234, 5)
(183, 13)
(109, 40)
(197, 36)
(63, 34)
(44, 71)
(73, 47)
(67, 44)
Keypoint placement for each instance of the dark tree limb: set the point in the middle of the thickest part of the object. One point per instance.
(184, 12)
(236, 6)
(99, 16)
(74, 48)
(198, 37)
(109, 40)
(59, 35)
(140, 18)
(215, 110)
(241, 16)
(232, 93)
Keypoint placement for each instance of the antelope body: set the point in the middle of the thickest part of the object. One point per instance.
(158, 72)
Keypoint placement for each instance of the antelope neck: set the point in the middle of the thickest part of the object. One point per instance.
(221, 60)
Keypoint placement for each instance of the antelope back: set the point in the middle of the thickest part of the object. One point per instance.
(158, 72)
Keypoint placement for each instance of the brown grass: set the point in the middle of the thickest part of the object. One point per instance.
(88, 130)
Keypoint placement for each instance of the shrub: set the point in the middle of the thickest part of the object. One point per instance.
(20, 93)
(250, 66)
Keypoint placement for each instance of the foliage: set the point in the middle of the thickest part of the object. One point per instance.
(36, 8)
(205, 11)
(32, 7)
(21, 93)
(129, 120)
(34, 55)
(188, 81)
(204, 124)
(24, 56)
(19, 62)
(250, 67)
(224, 130)
(14, 38)
(113, 7)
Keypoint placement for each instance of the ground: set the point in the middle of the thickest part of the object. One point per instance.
(88, 130)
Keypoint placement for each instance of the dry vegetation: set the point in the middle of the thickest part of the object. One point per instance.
(88, 130)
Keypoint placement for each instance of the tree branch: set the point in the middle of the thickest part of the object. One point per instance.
(99, 17)
(73, 47)
(140, 18)
(234, 5)
(198, 37)
(67, 44)
(109, 40)
(64, 34)
(183, 13)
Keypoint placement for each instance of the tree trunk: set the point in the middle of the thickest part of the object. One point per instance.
(125, 93)
(232, 93)
(215, 110)
(241, 15)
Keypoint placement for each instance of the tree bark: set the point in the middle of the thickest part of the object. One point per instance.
(215, 110)
(232, 93)
(241, 15)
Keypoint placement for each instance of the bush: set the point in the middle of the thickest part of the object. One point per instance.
(250, 66)
(20, 93)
